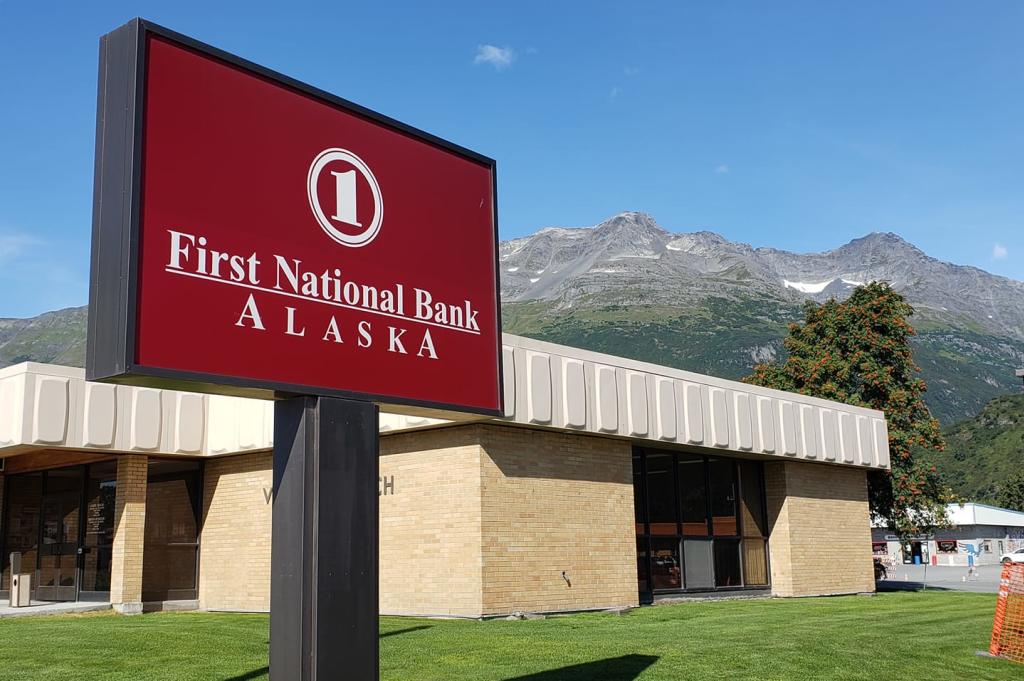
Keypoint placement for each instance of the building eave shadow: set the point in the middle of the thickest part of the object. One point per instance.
(624, 668)
(892, 585)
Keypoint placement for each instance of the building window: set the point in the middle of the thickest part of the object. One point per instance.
(700, 522)
(171, 552)
(946, 546)
(61, 521)
(23, 499)
(98, 538)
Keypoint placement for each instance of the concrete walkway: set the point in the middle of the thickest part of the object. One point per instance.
(49, 608)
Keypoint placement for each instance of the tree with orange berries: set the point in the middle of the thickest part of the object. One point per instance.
(858, 351)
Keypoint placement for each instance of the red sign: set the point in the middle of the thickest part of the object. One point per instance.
(281, 240)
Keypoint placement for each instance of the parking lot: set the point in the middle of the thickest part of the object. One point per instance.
(913, 577)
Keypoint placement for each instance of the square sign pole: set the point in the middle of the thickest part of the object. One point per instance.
(258, 237)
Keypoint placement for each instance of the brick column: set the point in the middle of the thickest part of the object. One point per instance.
(820, 539)
(129, 534)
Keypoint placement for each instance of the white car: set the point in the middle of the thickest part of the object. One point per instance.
(1013, 557)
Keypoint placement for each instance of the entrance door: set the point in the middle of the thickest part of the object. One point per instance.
(59, 525)
(58, 550)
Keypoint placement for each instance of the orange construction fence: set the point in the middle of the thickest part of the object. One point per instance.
(1008, 626)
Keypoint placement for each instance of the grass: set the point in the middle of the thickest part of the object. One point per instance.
(931, 634)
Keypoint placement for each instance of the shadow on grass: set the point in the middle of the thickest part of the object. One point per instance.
(890, 585)
(625, 668)
(263, 671)
(249, 676)
(396, 632)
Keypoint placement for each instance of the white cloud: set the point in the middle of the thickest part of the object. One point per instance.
(630, 70)
(999, 252)
(721, 169)
(498, 57)
(615, 92)
(13, 244)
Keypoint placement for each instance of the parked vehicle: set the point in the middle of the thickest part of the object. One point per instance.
(1013, 557)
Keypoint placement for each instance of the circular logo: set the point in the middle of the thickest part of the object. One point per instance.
(345, 197)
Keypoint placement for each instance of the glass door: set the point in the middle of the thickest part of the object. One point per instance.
(58, 548)
(59, 525)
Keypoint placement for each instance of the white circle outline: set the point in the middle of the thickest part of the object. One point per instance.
(322, 159)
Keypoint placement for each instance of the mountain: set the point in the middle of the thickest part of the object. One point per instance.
(701, 302)
(984, 451)
(698, 301)
(57, 337)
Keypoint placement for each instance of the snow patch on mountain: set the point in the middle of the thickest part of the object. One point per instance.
(805, 287)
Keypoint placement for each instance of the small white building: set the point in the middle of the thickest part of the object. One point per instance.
(986, 532)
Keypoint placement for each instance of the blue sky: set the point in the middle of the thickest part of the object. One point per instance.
(794, 125)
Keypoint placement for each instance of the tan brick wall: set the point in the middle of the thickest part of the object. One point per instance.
(430, 546)
(234, 554)
(129, 533)
(820, 529)
(483, 519)
(554, 502)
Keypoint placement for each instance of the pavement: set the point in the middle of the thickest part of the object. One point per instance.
(944, 577)
(49, 608)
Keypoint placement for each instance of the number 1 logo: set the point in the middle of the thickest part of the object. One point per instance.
(345, 197)
(345, 206)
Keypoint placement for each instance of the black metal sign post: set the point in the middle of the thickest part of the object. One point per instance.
(324, 589)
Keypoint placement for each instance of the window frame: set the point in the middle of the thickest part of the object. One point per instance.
(639, 458)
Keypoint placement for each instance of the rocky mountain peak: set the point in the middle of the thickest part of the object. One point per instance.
(630, 259)
(882, 242)
(628, 234)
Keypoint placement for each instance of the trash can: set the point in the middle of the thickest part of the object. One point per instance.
(21, 583)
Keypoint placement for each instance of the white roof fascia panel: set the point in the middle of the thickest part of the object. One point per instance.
(647, 402)
(44, 406)
(546, 386)
(12, 408)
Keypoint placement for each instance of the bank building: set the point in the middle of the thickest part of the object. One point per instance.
(607, 483)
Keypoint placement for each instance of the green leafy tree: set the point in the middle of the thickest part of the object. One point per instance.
(858, 352)
(1011, 493)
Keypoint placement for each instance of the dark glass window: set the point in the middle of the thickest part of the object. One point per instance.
(666, 571)
(727, 563)
(641, 564)
(722, 473)
(661, 499)
(100, 496)
(693, 495)
(752, 506)
(700, 522)
(61, 521)
(172, 531)
(21, 526)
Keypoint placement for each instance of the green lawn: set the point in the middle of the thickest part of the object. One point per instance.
(930, 635)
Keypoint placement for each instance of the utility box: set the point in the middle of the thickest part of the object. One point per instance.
(21, 583)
